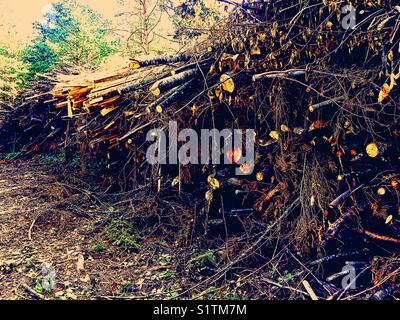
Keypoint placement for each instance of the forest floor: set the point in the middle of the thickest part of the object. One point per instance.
(45, 226)
(61, 239)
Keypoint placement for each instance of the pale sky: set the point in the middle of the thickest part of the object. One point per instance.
(22, 13)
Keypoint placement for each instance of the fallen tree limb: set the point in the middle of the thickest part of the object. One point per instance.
(279, 74)
(168, 83)
(315, 107)
(164, 102)
(137, 85)
(135, 64)
(378, 236)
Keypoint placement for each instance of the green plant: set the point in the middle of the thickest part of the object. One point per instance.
(286, 277)
(273, 271)
(126, 241)
(167, 274)
(203, 261)
(173, 295)
(12, 69)
(97, 248)
(29, 266)
(9, 156)
(234, 296)
(53, 158)
(165, 260)
(75, 162)
(127, 288)
(122, 234)
(38, 287)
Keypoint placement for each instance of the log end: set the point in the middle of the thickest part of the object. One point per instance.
(372, 150)
(155, 90)
(159, 109)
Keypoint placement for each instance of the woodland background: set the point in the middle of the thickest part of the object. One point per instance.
(72, 34)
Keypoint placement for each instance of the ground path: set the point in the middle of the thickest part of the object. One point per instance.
(44, 226)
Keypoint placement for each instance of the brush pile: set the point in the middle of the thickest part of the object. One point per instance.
(321, 97)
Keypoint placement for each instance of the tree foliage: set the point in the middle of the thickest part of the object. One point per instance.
(161, 26)
(71, 35)
(144, 26)
(195, 17)
(12, 68)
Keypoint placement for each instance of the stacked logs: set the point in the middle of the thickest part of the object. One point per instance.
(323, 102)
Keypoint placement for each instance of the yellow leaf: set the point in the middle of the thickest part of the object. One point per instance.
(227, 83)
(382, 24)
(390, 55)
(261, 36)
(381, 191)
(219, 94)
(274, 135)
(175, 182)
(212, 69)
(246, 168)
(255, 51)
(195, 110)
(274, 29)
(285, 128)
(214, 183)
(260, 176)
(384, 93)
(263, 142)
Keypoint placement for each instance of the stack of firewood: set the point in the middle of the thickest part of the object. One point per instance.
(323, 101)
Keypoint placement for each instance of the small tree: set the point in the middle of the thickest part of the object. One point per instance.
(70, 35)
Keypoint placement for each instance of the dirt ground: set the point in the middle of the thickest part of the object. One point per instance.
(55, 244)
(48, 232)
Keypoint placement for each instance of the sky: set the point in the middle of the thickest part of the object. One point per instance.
(22, 13)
